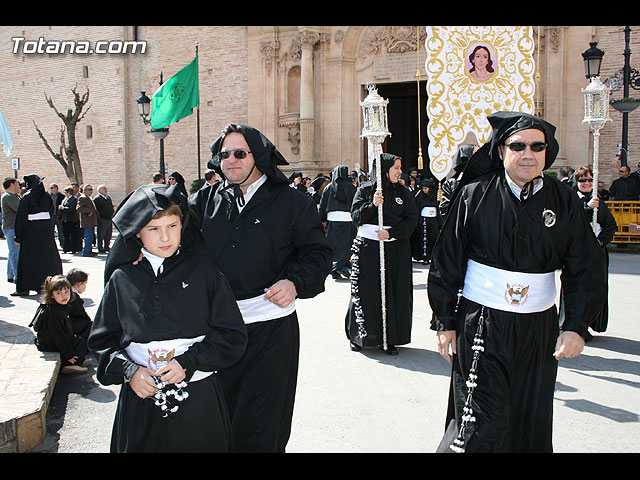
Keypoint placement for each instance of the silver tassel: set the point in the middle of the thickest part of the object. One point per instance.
(467, 417)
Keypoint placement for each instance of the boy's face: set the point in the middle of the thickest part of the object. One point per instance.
(62, 296)
(161, 236)
(81, 287)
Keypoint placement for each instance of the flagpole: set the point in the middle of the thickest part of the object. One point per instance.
(198, 119)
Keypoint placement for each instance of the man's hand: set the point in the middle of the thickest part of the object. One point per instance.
(282, 293)
(569, 345)
(446, 344)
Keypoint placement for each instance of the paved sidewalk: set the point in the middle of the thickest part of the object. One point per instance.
(28, 376)
(350, 402)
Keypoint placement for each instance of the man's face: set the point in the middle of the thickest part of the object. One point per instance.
(102, 190)
(624, 172)
(525, 165)
(54, 190)
(237, 169)
(14, 188)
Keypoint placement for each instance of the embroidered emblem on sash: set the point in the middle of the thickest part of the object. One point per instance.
(399, 201)
(160, 357)
(516, 294)
(549, 218)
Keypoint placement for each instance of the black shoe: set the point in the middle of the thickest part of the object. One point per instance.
(20, 294)
(10, 280)
(354, 347)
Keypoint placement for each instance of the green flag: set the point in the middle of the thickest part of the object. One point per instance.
(177, 97)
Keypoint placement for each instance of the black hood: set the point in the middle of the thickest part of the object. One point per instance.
(505, 124)
(138, 208)
(264, 152)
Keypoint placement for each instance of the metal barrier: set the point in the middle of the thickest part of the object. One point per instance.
(626, 213)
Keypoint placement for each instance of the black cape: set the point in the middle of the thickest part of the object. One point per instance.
(39, 257)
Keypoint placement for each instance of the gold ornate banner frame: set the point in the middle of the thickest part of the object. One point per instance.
(473, 72)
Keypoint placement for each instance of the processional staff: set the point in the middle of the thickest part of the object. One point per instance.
(596, 113)
(374, 111)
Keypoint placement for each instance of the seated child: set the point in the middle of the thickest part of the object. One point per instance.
(54, 332)
(166, 324)
(80, 320)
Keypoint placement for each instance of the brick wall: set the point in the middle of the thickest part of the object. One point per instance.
(119, 153)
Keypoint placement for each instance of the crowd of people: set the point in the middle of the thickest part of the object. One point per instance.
(238, 252)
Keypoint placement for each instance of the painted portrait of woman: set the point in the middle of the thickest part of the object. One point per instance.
(480, 63)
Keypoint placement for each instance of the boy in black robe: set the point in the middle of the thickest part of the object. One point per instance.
(509, 228)
(166, 324)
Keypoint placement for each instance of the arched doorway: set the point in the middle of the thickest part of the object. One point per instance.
(402, 117)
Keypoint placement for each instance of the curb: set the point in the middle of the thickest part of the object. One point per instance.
(25, 395)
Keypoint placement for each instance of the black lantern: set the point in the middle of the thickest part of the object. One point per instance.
(592, 60)
(144, 106)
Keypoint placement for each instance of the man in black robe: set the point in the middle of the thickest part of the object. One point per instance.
(35, 223)
(268, 241)
(509, 228)
(335, 212)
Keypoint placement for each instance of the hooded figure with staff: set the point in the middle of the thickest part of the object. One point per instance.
(381, 305)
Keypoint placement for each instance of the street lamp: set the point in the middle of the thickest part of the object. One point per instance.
(592, 60)
(144, 109)
(596, 109)
(630, 78)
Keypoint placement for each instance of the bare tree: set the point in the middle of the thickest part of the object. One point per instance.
(68, 155)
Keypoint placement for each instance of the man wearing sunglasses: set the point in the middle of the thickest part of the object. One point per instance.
(626, 187)
(267, 239)
(509, 228)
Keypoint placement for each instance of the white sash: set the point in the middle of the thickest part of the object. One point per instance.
(429, 212)
(38, 216)
(159, 352)
(510, 291)
(257, 309)
(338, 216)
(369, 230)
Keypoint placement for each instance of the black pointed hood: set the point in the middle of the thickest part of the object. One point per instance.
(265, 153)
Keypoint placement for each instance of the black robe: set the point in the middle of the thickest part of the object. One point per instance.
(338, 197)
(39, 257)
(189, 298)
(278, 235)
(399, 213)
(608, 227)
(488, 224)
(426, 233)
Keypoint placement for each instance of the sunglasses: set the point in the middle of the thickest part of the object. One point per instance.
(520, 146)
(583, 180)
(239, 154)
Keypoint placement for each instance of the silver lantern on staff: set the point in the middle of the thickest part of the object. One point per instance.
(596, 113)
(374, 112)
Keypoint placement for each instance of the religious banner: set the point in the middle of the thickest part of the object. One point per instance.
(472, 72)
